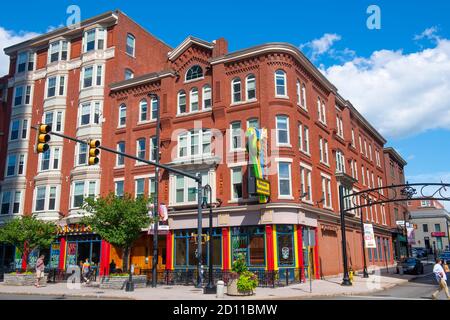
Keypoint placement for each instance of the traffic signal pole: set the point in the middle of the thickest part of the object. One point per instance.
(196, 178)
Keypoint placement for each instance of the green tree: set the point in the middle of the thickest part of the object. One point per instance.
(118, 220)
(28, 233)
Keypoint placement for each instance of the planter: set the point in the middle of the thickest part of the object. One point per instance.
(119, 283)
(232, 290)
(22, 280)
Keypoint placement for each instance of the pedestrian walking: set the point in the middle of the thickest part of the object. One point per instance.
(40, 266)
(441, 278)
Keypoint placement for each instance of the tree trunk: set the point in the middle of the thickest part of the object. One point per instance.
(126, 257)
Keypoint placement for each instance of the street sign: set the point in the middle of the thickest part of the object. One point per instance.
(263, 187)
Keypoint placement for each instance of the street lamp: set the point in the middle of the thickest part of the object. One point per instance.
(346, 280)
(210, 287)
(155, 201)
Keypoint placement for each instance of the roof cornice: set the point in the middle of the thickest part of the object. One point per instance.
(186, 43)
(146, 78)
(109, 17)
(395, 155)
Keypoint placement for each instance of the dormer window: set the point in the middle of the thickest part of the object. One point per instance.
(196, 72)
(58, 51)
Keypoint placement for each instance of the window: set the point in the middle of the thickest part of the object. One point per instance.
(193, 73)
(139, 188)
(122, 115)
(141, 149)
(253, 123)
(49, 119)
(10, 202)
(89, 74)
(280, 83)
(194, 143)
(306, 185)
(186, 189)
(340, 162)
(58, 51)
(370, 152)
(326, 192)
(143, 110)
(340, 126)
(15, 165)
(321, 111)
(303, 101)
(249, 241)
(22, 95)
(236, 90)
(89, 113)
(285, 242)
(46, 198)
(323, 148)
(181, 102)
(50, 160)
(15, 127)
(250, 85)
(437, 227)
(51, 87)
(425, 227)
(207, 97)
(131, 43)
(365, 148)
(45, 160)
(40, 199)
(236, 136)
(303, 138)
(119, 188)
(425, 203)
(17, 202)
(82, 155)
(81, 190)
(25, 62)
(94, 40)
(52, 199)
(284, 179)
(154, 108)
(299, 92)
(129, 74)
(363, 175)
(193, 100)
(120, 160)
(282, 126)
(236, 183)
(353, 138)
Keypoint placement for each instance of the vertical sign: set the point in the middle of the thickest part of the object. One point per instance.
(369, 236)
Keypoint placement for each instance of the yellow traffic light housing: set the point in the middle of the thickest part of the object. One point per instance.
(43, 138)
(94, 152)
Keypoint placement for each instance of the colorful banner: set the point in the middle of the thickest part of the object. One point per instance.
(256, 146)
(369, 236)
(54, 256)
(411, 235)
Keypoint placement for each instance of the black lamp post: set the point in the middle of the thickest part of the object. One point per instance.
(156, 199)
(346, 280)
(210, 287)
(365, 273)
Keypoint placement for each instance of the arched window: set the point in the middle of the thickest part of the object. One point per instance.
(129, 74)
(143, 110)
(250, 85)
(207, 97)
(193, 73)
(193, 100)
(131, 43)
(122, 115)
(280, 83)
(181, 102)
(236, 89)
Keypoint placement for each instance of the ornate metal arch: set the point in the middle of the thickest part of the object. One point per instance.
(397, 193)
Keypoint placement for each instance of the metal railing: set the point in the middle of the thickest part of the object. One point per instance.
(188, 277)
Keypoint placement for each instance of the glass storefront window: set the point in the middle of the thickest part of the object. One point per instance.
(285, 242)
(249, 241)
(180, 247)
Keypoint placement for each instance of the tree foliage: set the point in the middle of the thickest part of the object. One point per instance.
(118, 220)
(28, 233)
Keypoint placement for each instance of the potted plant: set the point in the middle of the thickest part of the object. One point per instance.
(242, 282)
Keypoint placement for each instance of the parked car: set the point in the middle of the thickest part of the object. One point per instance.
(445, 256)
(412, 265)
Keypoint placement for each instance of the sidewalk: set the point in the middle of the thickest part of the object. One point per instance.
(320, 288)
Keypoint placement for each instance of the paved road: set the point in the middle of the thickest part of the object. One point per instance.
(420, 288)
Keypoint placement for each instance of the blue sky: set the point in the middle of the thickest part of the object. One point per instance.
(398, 76)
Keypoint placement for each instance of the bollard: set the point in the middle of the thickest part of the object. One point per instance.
(220, 289)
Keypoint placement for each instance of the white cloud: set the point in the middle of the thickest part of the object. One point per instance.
(318, 47)
(7, 39)
(429, 33)
(401, 94)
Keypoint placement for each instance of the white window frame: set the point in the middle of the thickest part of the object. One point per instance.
(60, 51)
(306, 180)
(139, 150)
(92, 113)
(233, 198)
(141, 104)
(47, 198)
(234, 82)
(51, 160)
(179, 95)
(97, 37)
(289, 163)
(12, 201)
(188, 136)
(117, 156)
(30, 59)
(326, 191)
(284, 78)
(283, 144)
(232, 135)
(206, 90)
(85, 190)
(250, 77)
(121, 108)
(95, 76)
(130, 36)
(194, 97)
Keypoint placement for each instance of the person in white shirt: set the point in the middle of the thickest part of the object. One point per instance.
(441, 278)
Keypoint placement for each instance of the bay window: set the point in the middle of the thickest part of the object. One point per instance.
(58, 51)
(306, 182)
(94, 40)
(282, 126)
(22, 95)
(25, 62)
(49, 120)
(194, 143)
(92, 76)
(185, 189)
(280, 84)
(236, 135)
(284, 179)
(81, 190)
(326, 191)
(340, 162)
(56, 86)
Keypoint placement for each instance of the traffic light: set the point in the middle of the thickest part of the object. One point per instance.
(94, 152)
(43, 138)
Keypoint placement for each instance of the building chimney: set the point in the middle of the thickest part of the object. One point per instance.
(220, 47)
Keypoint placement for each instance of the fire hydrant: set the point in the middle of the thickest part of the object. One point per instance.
(350, 274)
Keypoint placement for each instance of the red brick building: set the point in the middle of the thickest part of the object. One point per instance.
(208, 98)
